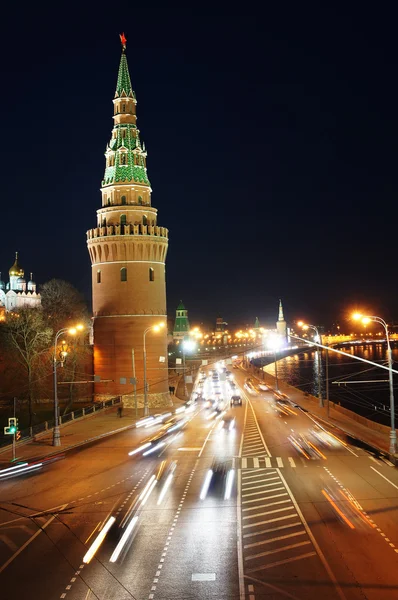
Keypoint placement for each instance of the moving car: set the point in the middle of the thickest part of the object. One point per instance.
(236, 399)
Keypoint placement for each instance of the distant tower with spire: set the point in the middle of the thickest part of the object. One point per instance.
(181, 324)
(281, 323)
(128, 251)
(256, 325)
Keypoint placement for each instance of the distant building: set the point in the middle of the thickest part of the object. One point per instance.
(181, 324)
(18, 293)
(220, 325)
(256, 325)
(281, 323)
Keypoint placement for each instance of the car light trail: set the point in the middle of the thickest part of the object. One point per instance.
(158, 419)
(154, 448)
(148, 485)
(179, 410)
(149, 492)
(7, 471)
(165, 488)
(143, 422)
(98, 540)
(206, 484)
(18, 471)
(229, 484)
(123, 540)
(139, 449)
(339, 512)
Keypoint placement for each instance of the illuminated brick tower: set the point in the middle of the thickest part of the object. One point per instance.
(128, 252)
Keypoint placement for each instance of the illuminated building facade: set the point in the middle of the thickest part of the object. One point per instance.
(181, 324)
(128, 252)
(281, 323)
(18, 293)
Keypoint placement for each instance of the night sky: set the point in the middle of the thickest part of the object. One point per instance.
(272, 151)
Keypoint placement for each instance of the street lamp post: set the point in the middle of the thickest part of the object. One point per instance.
(151, 328)
(186, 345)
(276, 373)
(319, 355)
(56, 432)
(366, 319)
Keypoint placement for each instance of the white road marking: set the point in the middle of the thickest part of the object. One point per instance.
(251, 474)
(266, 498)
(282, 537)
(265, 505)
(270, 530)
(314, 542)
(242, 594)
(257, 487)
(203, 576)
(283, 562)
(384, 477)
(26, 544)
(269, 521)
(268, 462)
(279, 461)
(189, 449)
(283, 549)
(244, 463)
(267, 512)
(291, 461)
(205, 442)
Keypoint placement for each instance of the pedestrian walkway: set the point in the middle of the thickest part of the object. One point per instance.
(274, 534)
(78, 433)
(270, 462)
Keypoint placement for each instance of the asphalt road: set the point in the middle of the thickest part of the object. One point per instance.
(309, 517)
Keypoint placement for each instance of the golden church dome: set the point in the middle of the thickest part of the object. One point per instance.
(16, 270)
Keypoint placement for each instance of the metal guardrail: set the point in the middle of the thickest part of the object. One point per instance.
(31, 432)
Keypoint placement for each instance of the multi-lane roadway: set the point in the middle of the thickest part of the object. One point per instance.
(272, 504)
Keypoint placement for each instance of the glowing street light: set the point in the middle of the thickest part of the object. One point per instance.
(156, 328)
(187, 346)
(365, 319)
(71, 331)
(318, 339)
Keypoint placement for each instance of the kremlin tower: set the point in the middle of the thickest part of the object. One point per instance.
(128, 252)
(281, 323)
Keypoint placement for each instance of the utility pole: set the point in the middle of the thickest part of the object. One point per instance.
(327, 380)
(134, 382)
(14, 434)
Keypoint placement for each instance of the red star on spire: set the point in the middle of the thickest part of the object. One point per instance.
(123, 40)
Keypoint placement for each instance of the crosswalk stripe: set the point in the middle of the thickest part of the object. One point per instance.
(276, 539)
(267, 462)
(291, 461)
(282, 562)
(269, 512)
(279, 461)
(258, 487)
(269, 530)
(256, 463)
(268, 552)
(262, 505)
(244, 463)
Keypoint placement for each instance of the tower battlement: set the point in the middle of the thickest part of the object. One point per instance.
(128, 252)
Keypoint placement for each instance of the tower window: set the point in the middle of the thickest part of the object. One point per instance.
(123, 274)
(151, 274)
(123, 133)
(123, 220)
(98, 276)
(104, 222)
(144, 220)
(123, 108)
(123, 199)
(123, 159)
(109, 201)
(139, 199)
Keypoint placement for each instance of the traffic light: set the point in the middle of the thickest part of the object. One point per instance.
(13, 425)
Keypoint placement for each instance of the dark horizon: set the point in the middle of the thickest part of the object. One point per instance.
(271, 154)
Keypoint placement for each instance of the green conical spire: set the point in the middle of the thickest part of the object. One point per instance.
(123, 86)
(256, 324)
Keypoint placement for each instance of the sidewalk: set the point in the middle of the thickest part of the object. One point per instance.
(80, 432)
(377, 439)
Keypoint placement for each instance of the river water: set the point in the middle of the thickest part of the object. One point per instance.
(369, 398)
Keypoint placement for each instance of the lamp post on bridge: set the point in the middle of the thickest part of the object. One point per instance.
(318, 339)
(151, 328)
(365, 319)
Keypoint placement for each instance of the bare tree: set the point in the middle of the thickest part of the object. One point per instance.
(64, 306)
(28, 337)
